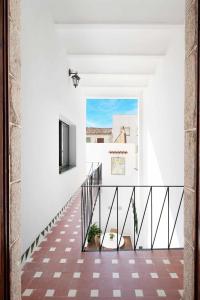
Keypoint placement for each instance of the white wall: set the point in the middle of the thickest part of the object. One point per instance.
(162, 127)
(47, 94)
(100, 152)
(162, 119)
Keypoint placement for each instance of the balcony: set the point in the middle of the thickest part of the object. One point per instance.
(130, 217)
(59, 269)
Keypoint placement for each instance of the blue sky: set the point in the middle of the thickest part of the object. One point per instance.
(100, 111)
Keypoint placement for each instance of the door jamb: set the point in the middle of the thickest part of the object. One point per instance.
(4, 155)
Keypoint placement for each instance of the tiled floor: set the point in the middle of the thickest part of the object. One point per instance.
(59, 271)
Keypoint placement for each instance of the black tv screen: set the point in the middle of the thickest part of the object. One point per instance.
(63, 146)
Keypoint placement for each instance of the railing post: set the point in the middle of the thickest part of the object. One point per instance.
(100, 169)
(176, 218)
(165, 197)
(143, 216)
(82, 218)
(134, 218)
(151, 218)
(100, 215)
(127, 212)
(90, 218)
(117, 219)
(88, 200)
(108, 217)
(91, 195)
(98, 175)
(168, 246)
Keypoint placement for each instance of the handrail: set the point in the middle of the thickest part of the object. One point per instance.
(130, 186)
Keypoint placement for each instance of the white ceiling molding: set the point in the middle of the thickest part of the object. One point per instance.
(112, 80)
(62, 27)
(115, 64)
(112, 92)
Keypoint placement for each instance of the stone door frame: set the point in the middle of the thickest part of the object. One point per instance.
(10, 130)
(191, 147)
(10, 150)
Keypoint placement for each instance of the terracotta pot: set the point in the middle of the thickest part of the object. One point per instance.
(91, 243)
(97, 241)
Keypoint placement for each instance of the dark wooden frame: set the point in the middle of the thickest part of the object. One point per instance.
(62, 167)
(4, 156)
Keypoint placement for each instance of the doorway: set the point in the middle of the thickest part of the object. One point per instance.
(191, 143)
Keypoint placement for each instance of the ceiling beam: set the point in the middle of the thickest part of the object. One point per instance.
(118, 26)
(107, 75)
(105, 92)
(115, 56)
(87, 85)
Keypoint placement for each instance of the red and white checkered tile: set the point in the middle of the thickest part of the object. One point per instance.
(58, 270)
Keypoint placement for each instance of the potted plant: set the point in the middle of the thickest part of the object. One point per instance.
(97, 240)
(93, 231)
(111, 234)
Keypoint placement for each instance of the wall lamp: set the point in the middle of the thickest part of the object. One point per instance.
(75, 77)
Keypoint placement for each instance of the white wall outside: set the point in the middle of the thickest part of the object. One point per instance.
(100, 152)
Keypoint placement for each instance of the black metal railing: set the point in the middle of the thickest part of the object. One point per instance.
(89, 195)
(148, 211)
(91, 167)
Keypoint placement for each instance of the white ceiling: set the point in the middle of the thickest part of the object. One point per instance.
(116, 45)
(115, 39)
(118, 11)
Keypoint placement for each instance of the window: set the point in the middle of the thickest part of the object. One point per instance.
(63, 145)
(67, 146)
(117, 166)
(88, 139)
(100, 140)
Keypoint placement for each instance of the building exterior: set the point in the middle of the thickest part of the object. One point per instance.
(127, 123)
(124, 130)
(98, 135)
